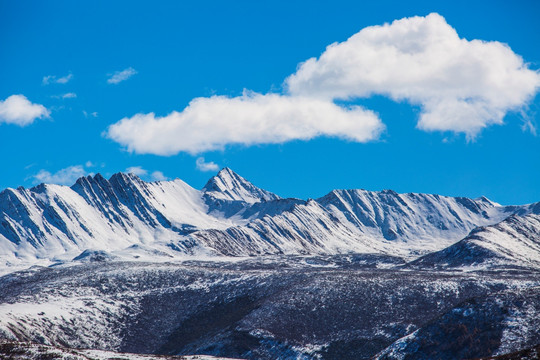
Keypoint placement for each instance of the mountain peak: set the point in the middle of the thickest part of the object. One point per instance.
(228, 176)
(227, 170)
(119, 177)
(228, 185)
(125, 180)
(125, 177)
(84, 180)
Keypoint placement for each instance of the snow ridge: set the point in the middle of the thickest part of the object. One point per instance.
(126, 217)
(514, 242)
(360, 221)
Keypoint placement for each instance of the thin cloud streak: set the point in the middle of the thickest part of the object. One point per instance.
(53, 79)
(120, 76)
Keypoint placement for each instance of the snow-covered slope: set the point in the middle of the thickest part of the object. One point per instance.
(129, 218)
(514, 242)
(13, 350)
(51, 220)
(414, 222)
(286, 307)
(361, 221)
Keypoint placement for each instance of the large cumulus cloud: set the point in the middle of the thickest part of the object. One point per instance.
(461, 85)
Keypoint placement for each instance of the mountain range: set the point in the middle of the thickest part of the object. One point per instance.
(125, 217)
(235, 271)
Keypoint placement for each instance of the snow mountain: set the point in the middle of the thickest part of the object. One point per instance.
(128, 218)
(514, 242)
(234, 271)
(228, 185)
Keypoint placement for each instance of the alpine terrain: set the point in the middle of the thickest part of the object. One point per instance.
(123, 268)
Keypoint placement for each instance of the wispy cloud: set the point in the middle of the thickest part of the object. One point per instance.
(141, 172)
(120, 76)
(18, 110)
(69, 95)
(66, 176)
(206, 166)
(137, 170)
(53, 79)
(90, 114)
(528, 125)
(158, 176)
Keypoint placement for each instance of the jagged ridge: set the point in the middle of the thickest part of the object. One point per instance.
(229, 216)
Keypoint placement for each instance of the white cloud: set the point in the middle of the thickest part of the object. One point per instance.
(211, 123)
(49, 79)
(461, 85)
(158, 176)
(137, 170)
(206, 166)
(528, 125)
(66, 176)
(18, 110)
(120, 76)
(65, 79)
(69, 95)
(88, 115)
(89, 164)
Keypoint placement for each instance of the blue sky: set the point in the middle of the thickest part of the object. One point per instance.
(84, 66)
